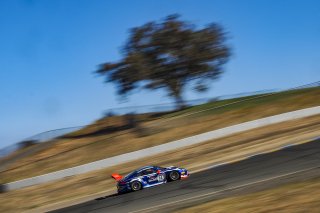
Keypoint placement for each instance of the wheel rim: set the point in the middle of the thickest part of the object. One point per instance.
(135, 186)
(174, 175)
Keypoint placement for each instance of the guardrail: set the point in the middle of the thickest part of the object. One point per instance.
(165, 107)
(116, 160)
(158, 108)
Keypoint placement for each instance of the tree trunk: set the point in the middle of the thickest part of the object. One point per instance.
(175, 87)
(180, 102)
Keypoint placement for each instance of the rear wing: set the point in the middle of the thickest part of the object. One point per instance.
(117, 177)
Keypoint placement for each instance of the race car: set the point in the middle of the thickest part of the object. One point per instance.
(148, 176)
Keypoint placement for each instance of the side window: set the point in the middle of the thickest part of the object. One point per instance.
(147, 171)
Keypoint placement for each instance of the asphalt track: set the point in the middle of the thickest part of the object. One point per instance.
(291, 164)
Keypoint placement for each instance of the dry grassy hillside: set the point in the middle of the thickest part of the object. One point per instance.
(116, 135)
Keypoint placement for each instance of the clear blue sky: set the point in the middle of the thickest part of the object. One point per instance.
(50, 48)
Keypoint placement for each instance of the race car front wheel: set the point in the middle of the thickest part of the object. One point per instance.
(136, 186)
(174, 175)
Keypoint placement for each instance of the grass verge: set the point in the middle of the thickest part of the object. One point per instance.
(296, 197)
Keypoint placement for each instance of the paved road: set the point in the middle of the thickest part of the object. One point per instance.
(257, 173)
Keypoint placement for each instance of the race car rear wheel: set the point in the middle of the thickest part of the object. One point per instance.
(174, 175)
(136, 186)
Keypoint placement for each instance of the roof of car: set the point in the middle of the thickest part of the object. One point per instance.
(145, 167)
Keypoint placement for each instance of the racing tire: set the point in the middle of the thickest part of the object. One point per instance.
(136, 186)
(174, 175)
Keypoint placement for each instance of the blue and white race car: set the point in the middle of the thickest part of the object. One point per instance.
(148, 176)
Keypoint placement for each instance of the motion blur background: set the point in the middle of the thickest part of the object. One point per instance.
(83, 82)
(50, 49)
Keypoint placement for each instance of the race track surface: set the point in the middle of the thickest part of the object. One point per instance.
(254, 174)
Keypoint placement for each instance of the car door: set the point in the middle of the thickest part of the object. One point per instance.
(150, 176)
